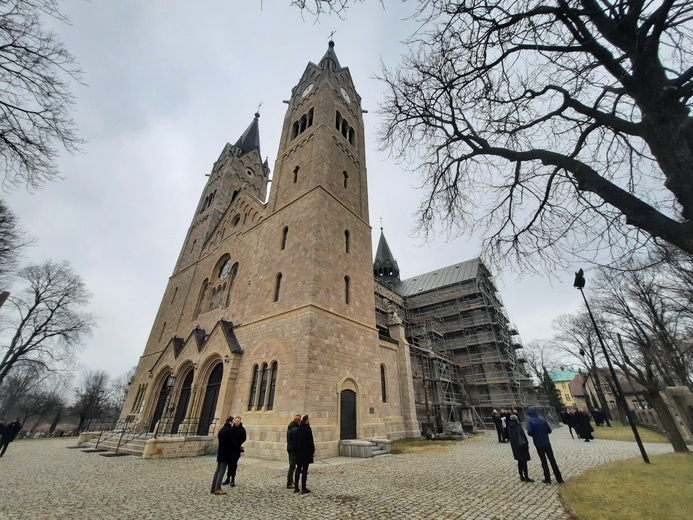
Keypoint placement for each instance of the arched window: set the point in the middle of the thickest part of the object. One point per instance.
(383, 384)
(347, 237)
(277, 286)
(347, 282)
(310, 118)
(175, 292)
(253, 388)
(296, 174)
(338, 121)
(294, 130)
(163, 328)
(346, 177)
(285, 235)
(351, 136)
(201, 299)
(232, 281)
(272, 386)
(263, 387)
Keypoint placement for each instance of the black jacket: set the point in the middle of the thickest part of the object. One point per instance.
(305, 447)
(518, 441)
(10, 432)
(225, 441)
(291, 431)
(237, 438)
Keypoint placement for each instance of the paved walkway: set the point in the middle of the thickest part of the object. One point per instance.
(476, 478)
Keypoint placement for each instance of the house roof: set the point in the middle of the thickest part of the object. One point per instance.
(432, 280)
(562, 375)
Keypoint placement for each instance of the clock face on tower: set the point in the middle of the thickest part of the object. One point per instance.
(307, 90)
(345, 95)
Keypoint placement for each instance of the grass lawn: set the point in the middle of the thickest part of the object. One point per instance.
(618, 432)
(634, 490)
(420, 444)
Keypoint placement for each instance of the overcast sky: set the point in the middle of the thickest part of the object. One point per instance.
(167, 84)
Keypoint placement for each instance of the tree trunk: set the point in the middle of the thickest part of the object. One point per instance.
(602, 398)
(668, 421)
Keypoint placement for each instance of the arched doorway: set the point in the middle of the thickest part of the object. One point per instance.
(209, 405)
(160, 403)
(347, 415)
(183, 401)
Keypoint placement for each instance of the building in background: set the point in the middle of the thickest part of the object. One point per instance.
(562, 379)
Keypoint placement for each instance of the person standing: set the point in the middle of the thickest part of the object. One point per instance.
(583, 426)
(305, 451)
(8, 434)
(520, 447)
(505, 418)
(498, 424)
(291, 431)
(238, 437)
(539, 430)
(223, 456)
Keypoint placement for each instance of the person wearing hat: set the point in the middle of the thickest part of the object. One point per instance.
(305, 450)
(520, 447)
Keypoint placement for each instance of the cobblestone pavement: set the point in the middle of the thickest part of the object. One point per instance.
(476, 478)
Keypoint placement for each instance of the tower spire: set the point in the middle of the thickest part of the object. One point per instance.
(250, 140)
(385, 266)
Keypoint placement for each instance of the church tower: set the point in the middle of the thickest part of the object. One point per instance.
(270, 310)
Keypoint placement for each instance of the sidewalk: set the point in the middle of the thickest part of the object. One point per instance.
(476, 478)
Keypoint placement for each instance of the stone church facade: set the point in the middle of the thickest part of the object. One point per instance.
(270, 309)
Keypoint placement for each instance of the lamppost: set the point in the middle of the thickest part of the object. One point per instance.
(579, 284)
(170, 381)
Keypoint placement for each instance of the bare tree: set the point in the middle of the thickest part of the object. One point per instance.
(636, 309)
(553, 126)
(12, 240)
(92, 396)
(45, 325)
(120, 387)
(35, 98)
(576, 337)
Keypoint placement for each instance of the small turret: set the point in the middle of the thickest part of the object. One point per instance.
(385, 266)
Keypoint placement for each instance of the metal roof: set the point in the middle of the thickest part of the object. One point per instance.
(432, 280)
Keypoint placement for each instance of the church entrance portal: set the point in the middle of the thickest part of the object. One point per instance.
(160, 403)
(209, 404)
(183, 402)
(347, 416)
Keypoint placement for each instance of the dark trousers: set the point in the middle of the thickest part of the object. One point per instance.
(547, 453)
(302, 470)
(3, 447)
(233, 465)
(292, 468)
(522, 468)
(218, 475)
(499, 431)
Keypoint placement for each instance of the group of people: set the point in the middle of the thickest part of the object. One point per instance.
(502, 422)
(231, 438)
(8, 432)
(539, 430)
(579, 420)
(299, 444)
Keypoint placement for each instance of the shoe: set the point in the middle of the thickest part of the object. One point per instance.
(522, 478)
(560, 481)
(296, 490)
(226, 482)
(527, 479)
(289, 486)
(219, 492)
(305, 491)
(233, 484)
(547, 481)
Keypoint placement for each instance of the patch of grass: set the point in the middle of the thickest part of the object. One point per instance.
(618, 432)
(632, 489)
(419, 445)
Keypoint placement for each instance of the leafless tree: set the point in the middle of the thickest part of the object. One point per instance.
(120, 387)
(12, 240)
(636, 309)
(44, 323)
(92, 396)
(541, 355)
(576, 337)
(555, 127)
(319, 7)
(35, 98)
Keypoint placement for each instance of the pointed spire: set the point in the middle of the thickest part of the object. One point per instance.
(329, 60)
(250, 140)
(385, 266)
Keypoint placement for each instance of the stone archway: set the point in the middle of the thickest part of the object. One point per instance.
(209, 404)
(183, 401)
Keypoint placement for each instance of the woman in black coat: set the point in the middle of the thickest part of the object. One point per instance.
(520, 446)
(305, 449)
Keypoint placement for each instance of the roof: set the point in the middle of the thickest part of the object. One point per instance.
(562, 375)
(386, 261)
(330, 55)
(250, 140)
(577, 385)
(432, 280)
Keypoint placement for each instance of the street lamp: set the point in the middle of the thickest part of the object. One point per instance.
(579, 284)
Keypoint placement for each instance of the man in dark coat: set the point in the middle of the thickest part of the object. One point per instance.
(583, 426)
(520, 447)
(8, 434)
(237, 439)
(539, 430)
(291, 431)
(223, 456)
(498, 424)
(305, 450)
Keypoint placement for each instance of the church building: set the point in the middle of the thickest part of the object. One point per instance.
(269, 311)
